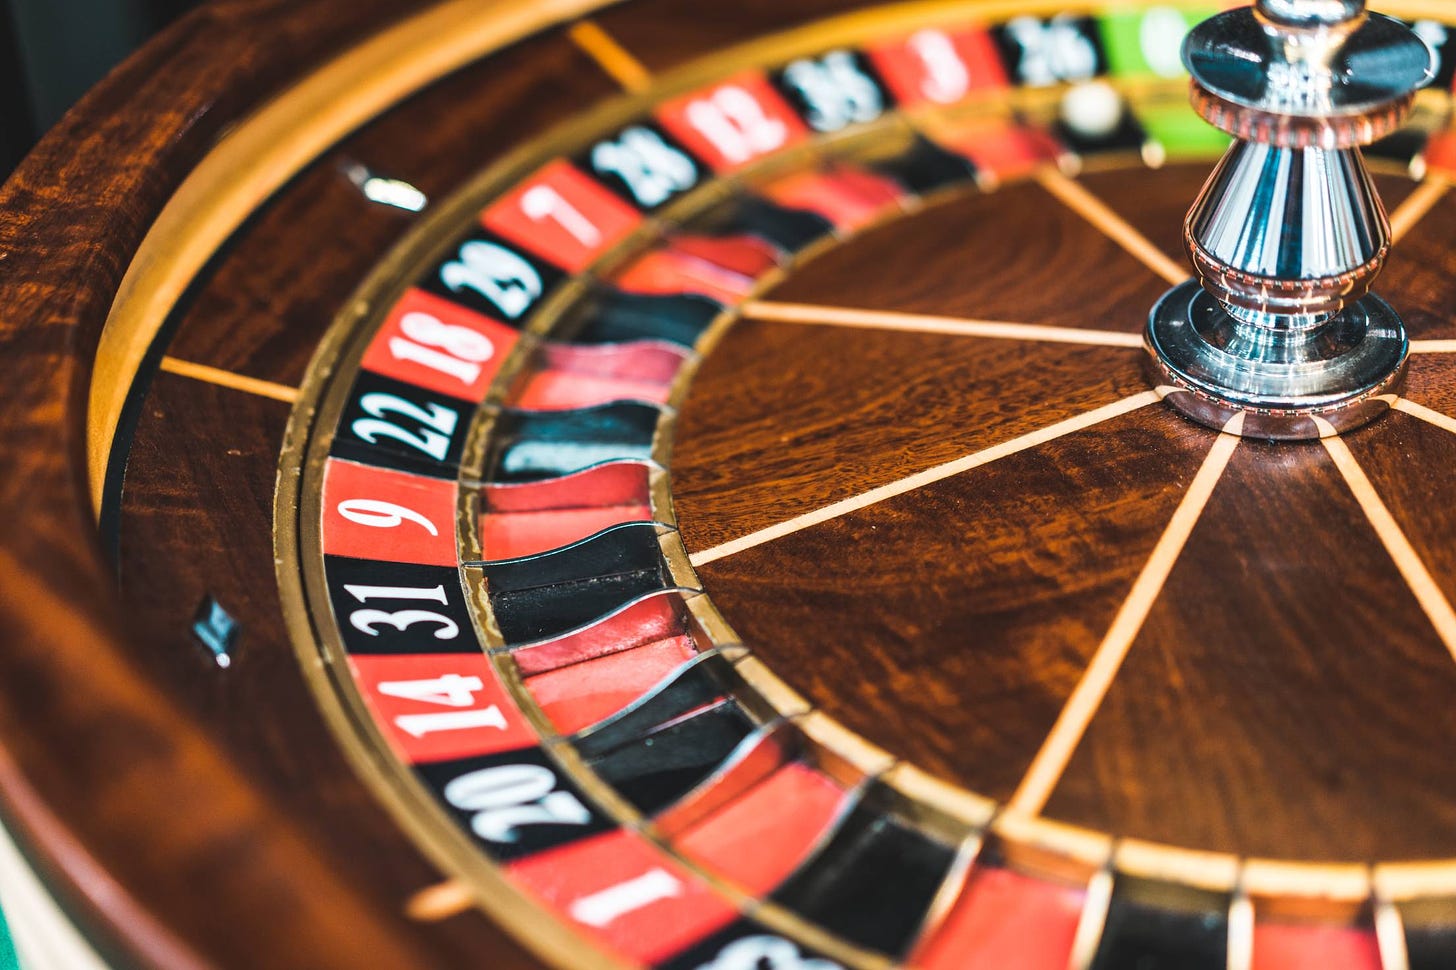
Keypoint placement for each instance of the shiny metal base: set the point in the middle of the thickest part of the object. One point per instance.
(1288, 383)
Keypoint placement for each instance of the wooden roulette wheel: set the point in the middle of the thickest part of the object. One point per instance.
(636, 484)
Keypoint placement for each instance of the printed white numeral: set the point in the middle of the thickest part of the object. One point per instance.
(383, 515)
(1051, 52)
(509, 796)
(1161, 37)
(601, 908)
(543, 202)
(765, 953)
(435, 594)
(836, 91)
(366, 620)
(433, 439)
(449, 690)
(652, 169)
(733, 120)
(946, 77)
(419, 725)
(1434, 34)
(461, 350)
(497, 274)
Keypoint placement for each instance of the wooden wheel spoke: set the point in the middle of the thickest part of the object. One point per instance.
(1433, 346)
(439, 902)
(920, 479)
(618, 62)
(1076, 197)
(226, 378)
(1056, 751)
(802, 313)
(1422, 585)
(1443, 421)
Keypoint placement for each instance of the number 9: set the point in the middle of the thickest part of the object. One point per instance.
(383, 515)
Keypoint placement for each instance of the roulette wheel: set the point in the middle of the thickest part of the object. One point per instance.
(640, 484)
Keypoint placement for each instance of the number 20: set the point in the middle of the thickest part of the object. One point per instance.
(507, 797)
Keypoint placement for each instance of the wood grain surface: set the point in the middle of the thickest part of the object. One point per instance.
(785, 418)
(950, 624)
(197, 525)
(1286, 695)
(190, 816)
(147, 829)
(196, 511)
(265, 306)
(175, 820)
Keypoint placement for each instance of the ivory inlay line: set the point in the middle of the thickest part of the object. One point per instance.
(1416, 205)
(1056, 751)
(767, 311)
(611, 57)
(1437, 608)
(226, 378)
(1433, 346)
(1094, 210)
(1443, 421)
(921, 479)
(439, 902)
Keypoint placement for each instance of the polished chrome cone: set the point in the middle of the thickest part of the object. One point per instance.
(1288, 231)
(1280, 329)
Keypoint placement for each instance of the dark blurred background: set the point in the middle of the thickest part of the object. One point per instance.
(51, 51)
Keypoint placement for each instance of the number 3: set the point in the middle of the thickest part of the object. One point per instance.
(365, 620)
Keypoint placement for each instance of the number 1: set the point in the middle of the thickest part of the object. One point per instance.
(544, 202)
